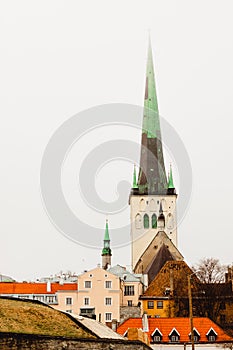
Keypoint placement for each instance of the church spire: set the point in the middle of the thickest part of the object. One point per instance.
(152, 176)
(106, 251)
(134, 177)
(170, 187)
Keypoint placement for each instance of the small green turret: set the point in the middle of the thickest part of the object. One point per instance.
(170, 186)
(106, 251)
(134, 177)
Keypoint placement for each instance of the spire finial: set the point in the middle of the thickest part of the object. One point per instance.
(170, 178)
(134, 177)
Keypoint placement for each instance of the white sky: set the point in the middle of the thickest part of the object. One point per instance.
(61, 57)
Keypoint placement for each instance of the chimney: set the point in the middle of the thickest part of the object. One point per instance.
(114, 325)
(145, 324)
(48, 286)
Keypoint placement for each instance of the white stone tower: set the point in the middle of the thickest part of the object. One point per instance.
(153, 197)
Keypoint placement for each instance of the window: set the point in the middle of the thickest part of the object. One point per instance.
(87, 284)
(38, 297)
(150, 304)
(68, 301)
(159, 304)
(51, 299)
(146, 221)
(157, 338)
(108, 301)
(86, 301)
(174, 338)
(129, 290)
(108, 316)
(212, 338)
(90, 311)
(196, 336)
(154, 221)
(108, 284)
(69, 311)
(212, 335)
(138, 221)
(130, 303)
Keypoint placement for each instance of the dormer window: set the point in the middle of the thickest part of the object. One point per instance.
(174, 336)
(157, 336)
(211, 335)
(196, 335)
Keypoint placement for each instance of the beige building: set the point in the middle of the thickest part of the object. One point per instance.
(99, 295)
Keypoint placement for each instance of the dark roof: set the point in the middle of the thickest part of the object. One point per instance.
(158, 262)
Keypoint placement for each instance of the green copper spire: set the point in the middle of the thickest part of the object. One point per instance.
(170, 179)
(152, 177)
(134, 177)
(151, 125)
(106, 249)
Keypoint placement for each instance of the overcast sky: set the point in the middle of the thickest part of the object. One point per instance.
(59, 58)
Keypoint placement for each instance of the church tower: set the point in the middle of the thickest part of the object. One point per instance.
(153, 196)
(106, 251)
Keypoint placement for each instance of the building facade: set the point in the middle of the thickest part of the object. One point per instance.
(99, 295)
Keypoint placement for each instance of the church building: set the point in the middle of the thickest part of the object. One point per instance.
(153, 196)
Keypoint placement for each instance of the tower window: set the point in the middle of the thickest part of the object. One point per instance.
(154, 221)
(146, 221)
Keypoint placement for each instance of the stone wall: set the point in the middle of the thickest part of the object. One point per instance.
(129, 311)
(12, 341)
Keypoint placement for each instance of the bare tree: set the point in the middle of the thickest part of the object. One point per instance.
(209, 270)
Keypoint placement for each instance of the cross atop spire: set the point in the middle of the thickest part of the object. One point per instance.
(152, 176)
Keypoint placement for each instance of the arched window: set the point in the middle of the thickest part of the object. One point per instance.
(152, 205)
(164, 204)
(154, 221)
(138, 221)
(142, 205)
(170, 222)
(146, 221)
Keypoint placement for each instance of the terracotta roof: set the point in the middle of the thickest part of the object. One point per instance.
(181, 324)
(34, 288)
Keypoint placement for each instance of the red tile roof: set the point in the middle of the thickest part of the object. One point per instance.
(34, 288)
(181, 324)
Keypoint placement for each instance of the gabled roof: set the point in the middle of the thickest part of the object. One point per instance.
(211, 330)
(34, 288)
(152, 250)
(174, 330)
(156, 330)
(124, 274)
(195, 331)
(158, 262)
(182, 326)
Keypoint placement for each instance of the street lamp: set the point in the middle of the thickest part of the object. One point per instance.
(191, 307)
